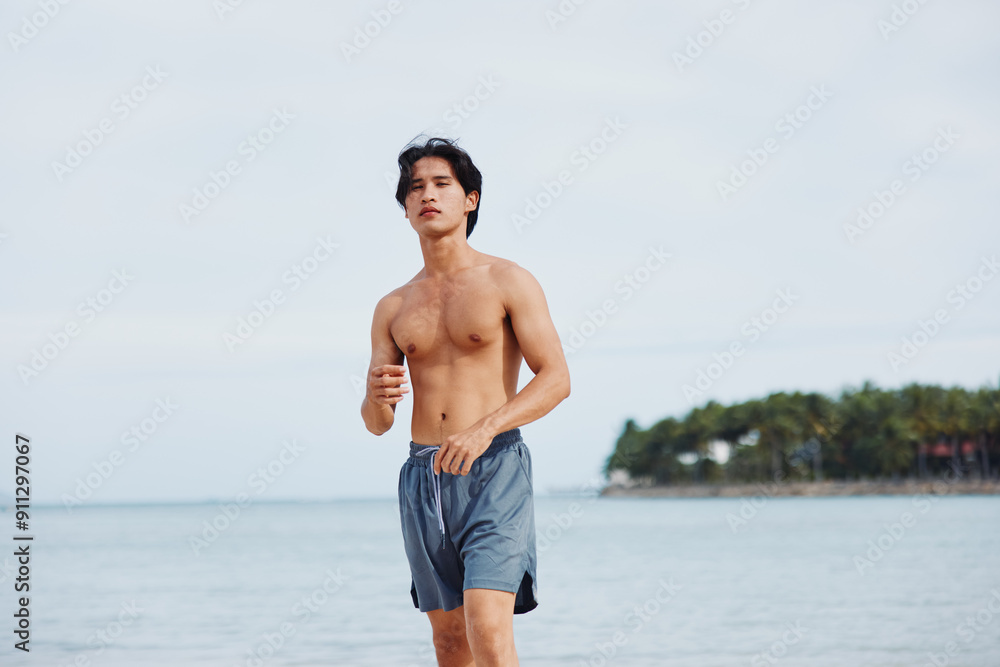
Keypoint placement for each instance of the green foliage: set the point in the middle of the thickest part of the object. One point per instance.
(916, 431)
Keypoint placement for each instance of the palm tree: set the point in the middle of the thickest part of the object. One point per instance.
(666, 440)
(896, 435)
(923, 404)
(738, 428)
(780, 424)
(955, 422)
(701, 426)
(984, 422)
(864, 432)
(822, 422)
(629, 453)
(730, 428)
(858, 437)
(993, 434)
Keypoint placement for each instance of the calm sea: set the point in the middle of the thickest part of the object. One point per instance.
(839, 582)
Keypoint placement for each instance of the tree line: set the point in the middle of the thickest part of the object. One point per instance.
(915, 432)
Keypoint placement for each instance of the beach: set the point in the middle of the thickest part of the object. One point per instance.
(809, 489)
(805, 582)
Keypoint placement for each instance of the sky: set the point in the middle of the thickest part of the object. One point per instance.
(720, 200)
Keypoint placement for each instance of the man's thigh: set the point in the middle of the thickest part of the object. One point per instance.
(489, 609)
(447, 621)
(448, 624)
(482, 603)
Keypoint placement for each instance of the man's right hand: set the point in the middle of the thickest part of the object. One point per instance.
(385, 384)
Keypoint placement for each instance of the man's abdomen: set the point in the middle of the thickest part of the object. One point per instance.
(449, 399)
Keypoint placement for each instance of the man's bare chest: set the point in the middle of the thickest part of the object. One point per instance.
(435, 321)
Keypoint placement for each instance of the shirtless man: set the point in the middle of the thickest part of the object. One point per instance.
(462, 325)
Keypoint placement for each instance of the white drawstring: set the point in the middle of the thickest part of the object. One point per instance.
(437, 486)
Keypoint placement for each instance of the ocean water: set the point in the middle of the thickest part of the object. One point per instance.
(860, 582)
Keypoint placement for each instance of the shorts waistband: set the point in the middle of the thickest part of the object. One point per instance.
(501, 442)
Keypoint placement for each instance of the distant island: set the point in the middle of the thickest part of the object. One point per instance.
(867, 441)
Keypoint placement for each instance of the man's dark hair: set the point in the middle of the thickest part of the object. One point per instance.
(467, 174)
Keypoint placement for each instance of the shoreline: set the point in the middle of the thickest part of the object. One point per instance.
(805, 489)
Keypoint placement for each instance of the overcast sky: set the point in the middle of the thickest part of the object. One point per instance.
(176, 163)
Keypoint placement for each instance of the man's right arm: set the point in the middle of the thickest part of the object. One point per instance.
(386, 373)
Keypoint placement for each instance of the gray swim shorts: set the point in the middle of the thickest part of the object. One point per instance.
(472, 531)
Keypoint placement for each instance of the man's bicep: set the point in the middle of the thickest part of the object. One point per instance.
(384, 348)
(529, 316)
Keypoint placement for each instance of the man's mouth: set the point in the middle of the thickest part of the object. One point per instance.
(428, 209)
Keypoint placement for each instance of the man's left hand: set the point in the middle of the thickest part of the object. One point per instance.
(459, 451)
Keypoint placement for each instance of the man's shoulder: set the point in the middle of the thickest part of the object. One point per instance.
(514, 282)
(400, 292)
(389, 303)
(503, 270)
(509, 273)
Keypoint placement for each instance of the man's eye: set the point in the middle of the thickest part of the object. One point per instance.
(417, 187)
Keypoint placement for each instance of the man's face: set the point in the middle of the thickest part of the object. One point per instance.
(436, 203)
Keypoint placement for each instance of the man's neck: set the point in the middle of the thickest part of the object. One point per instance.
(445, 255)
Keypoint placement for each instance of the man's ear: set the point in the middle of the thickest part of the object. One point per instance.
(471, 201)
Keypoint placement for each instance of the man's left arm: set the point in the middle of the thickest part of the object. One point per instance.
(536, 335)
